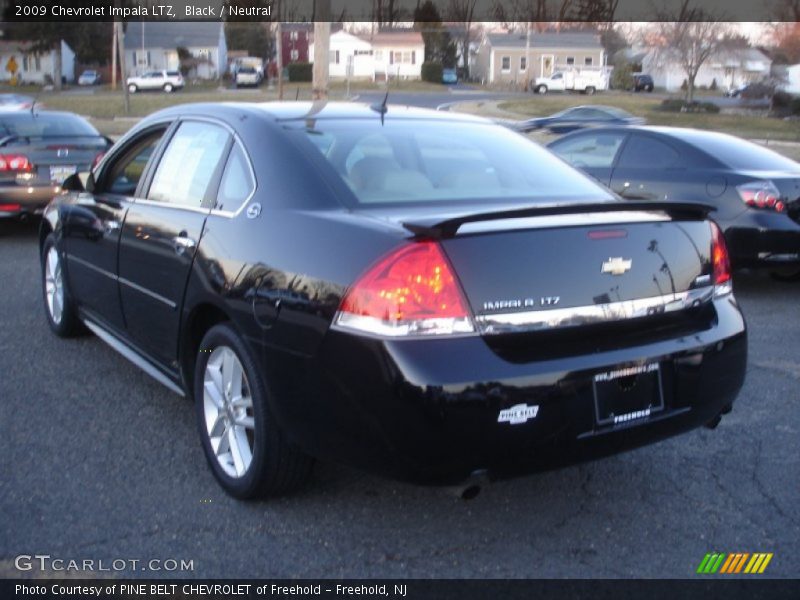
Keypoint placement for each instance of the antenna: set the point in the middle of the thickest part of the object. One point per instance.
(297, 94)
(381, 108)
(35, 100)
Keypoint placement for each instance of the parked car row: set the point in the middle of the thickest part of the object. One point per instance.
(421, 288)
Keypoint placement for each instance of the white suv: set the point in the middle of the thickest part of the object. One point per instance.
(168, 81)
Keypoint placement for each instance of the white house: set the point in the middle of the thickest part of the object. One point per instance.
(792, 81)
(34, 67)
(384, 54)
(153, 45)
(729, 67)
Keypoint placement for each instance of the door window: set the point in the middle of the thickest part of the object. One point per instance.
(237, 181)
(595, 150)
(647, 152)
(190, 165)
(124, 173)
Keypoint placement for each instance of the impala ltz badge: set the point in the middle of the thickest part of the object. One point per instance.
(519, 413)
(616, 266)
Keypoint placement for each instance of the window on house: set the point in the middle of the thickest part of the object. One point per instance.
(588, 61)
(38, 62)
(334, 57)
(294, 55)
(25, 63)
(570, 60)
(402, 57)
(505, 63)
(523, 63)
(293, 35)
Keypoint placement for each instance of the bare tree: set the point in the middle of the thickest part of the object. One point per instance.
(689, 37)
(463, 11)
(788, 10)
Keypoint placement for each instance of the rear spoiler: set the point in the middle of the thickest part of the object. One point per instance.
(448, 228)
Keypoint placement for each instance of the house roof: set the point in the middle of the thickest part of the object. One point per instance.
(394, 38)
(157, 34)
(589, 41)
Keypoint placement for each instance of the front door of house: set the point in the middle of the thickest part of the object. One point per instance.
(547, 65)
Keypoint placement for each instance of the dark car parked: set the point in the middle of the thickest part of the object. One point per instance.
(38, 151)
(756, 192)
(643, 82)
(580, 117)
(422, 294)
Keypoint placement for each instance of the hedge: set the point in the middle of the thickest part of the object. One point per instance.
(300, 71)
(678, 105)
(431, 71)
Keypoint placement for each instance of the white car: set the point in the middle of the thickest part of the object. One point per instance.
(571, 81)
(89, 77)
(248, 76)
(168, 81)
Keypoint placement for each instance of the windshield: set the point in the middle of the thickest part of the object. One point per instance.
(418, 161)
(26, 125)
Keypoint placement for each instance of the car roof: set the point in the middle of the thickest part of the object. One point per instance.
(684, 134)
(289, 111)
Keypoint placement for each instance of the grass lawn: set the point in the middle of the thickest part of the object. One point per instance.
(748, 126)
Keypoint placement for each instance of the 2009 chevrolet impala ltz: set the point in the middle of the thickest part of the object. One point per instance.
(420, 294)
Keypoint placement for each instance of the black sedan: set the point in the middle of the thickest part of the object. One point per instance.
(580, 117)
(755, 191)
(426, 295)
(38, 151)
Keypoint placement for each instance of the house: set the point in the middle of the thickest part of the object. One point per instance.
(29, 67)
(727, 68)
(295, 40)
(792, 80)
(502, 58)
(386, 54)
(153, 45)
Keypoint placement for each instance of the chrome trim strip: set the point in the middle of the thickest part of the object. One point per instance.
(88, 265)
(540, 320)
(133, 356)
(147, 292)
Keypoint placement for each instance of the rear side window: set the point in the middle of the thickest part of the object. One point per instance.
(191, 162)
(594, 150)
(237, 181)
(646, 152)
(416, 161)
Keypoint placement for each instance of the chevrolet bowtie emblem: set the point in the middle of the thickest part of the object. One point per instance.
(616, 266)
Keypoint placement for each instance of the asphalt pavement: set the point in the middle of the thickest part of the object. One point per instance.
(98, 461)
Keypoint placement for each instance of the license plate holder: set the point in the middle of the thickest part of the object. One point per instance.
(628, 394)
(58, 173)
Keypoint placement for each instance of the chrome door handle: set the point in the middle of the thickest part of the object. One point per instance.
(183, 243)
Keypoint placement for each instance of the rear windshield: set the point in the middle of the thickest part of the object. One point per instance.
(173, 73)
(26, 125)
(417, 161)
(741, 154)
(247, 70)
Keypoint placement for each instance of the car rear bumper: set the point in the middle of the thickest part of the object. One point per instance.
(427, 410)
(763, 239)
(18, 199)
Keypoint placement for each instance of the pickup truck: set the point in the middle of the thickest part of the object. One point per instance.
(562, 81)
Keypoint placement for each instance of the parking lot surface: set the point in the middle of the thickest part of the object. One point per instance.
(100, 462)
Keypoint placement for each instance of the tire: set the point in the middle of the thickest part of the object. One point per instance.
(274, 466)
(59, 307)
(786, 274)
(649, 89)
(542, 89)
(132, 88)
(590, 90)
(168, 87)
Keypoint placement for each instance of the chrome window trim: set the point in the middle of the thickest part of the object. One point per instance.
(543, 320)
(230, 214)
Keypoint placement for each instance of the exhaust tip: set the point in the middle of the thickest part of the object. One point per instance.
(470, 492)
(472, 486)
(713, 423)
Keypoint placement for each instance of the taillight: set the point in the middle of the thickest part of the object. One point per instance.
(14, 162)
(721, 262)
(761, 194)
(412, 291)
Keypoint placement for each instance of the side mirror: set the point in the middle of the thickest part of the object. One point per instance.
(79, 182)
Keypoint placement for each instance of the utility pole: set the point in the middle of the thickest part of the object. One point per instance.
(527, 55)
(322, 49)
(121, 50)
(114, 56)
(279, 57)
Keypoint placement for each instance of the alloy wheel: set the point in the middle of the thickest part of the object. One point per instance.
(228, 409)
(54, 285)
